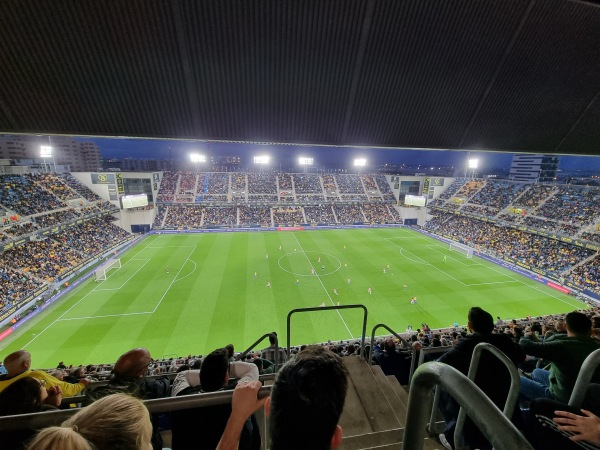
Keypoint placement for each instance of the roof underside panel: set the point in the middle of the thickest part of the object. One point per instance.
(541, 93)
(427, 67)
(273, 70)
(519, 75)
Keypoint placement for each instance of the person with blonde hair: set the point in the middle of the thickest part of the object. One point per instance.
(115, 422)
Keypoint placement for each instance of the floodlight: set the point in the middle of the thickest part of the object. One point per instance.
(197, 158)
(264, 159)
(360, 162)
(473, 163)
(46, 151)
(305, 161)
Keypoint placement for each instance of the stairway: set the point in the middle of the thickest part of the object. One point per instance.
(375, 410)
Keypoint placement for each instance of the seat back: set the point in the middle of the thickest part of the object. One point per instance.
(586, 373)
(513, 392)
(494, 425)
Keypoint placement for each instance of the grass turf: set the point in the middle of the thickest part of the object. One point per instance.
(210, 296)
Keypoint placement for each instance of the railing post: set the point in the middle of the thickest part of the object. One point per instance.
(329, 308)
(494, 425)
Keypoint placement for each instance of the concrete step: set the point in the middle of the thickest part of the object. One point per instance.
(373, 440)
(354, 420)
(384, 383)
(374, 403)
(384, 440)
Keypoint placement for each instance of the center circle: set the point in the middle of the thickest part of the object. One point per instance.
(312, 263)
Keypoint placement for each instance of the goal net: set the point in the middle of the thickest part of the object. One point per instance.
(461, 248)
(102, 271)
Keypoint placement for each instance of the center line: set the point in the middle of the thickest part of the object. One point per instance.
(324, 288)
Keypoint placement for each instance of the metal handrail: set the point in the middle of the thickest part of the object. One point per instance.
(329, 308)
(258, 341)
(44, 419)
(382, 325)
(513, 392)
(588, 368)
(422, 353)
(494, 425)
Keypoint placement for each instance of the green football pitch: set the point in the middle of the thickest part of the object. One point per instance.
(210, 295)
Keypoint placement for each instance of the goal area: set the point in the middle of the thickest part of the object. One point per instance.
(102, 271)
(461, 248)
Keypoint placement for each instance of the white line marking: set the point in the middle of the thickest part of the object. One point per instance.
(174, 280)
(324, 288)
(126, 281)
(107, 315)
(195, 267)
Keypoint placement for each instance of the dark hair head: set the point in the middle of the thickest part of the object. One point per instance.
(272, 338)
(389, 346)
(310, 389)
(578, 323)
(230, 350)
(480, 321)
(214, 370)
(21, 397)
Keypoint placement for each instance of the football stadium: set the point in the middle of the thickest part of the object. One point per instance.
(189, 292)
(300, 225)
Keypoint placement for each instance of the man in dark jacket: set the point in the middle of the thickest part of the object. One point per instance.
(129, 377)
(492, 376)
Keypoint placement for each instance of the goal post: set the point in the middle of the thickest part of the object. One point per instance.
(461, 248)
(102, 271)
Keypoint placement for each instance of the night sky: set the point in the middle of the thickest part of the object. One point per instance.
(330, 156)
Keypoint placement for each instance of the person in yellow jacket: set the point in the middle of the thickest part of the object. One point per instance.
(18, 365)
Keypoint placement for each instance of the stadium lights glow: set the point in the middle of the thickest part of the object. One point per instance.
(46, 151)
(197, 158)
(264, 159)
(360, 162)
(305, 161)
(473, 163)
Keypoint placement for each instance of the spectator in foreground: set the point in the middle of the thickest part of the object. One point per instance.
(565, 353)
(24, 396)
(553, 424)
(310, 389)
(214, 376)
(129, 377)
(18, 366)
(114, 422)
(492, 376)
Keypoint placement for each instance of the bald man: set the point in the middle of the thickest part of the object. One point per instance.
(18, 365)
(133, 364)
(129, 377)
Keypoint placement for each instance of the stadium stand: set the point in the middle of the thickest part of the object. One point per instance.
(505, 234)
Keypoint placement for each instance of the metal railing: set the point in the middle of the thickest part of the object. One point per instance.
(382, 325)
(424, 351)
(44, 419)
(588, 368)
(494, 425)
(242, 355)
(329, 308)
(513, 392)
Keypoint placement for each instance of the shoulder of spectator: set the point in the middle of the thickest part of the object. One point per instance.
(244, 371)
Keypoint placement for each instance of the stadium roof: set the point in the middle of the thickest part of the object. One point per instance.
(515, 75)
